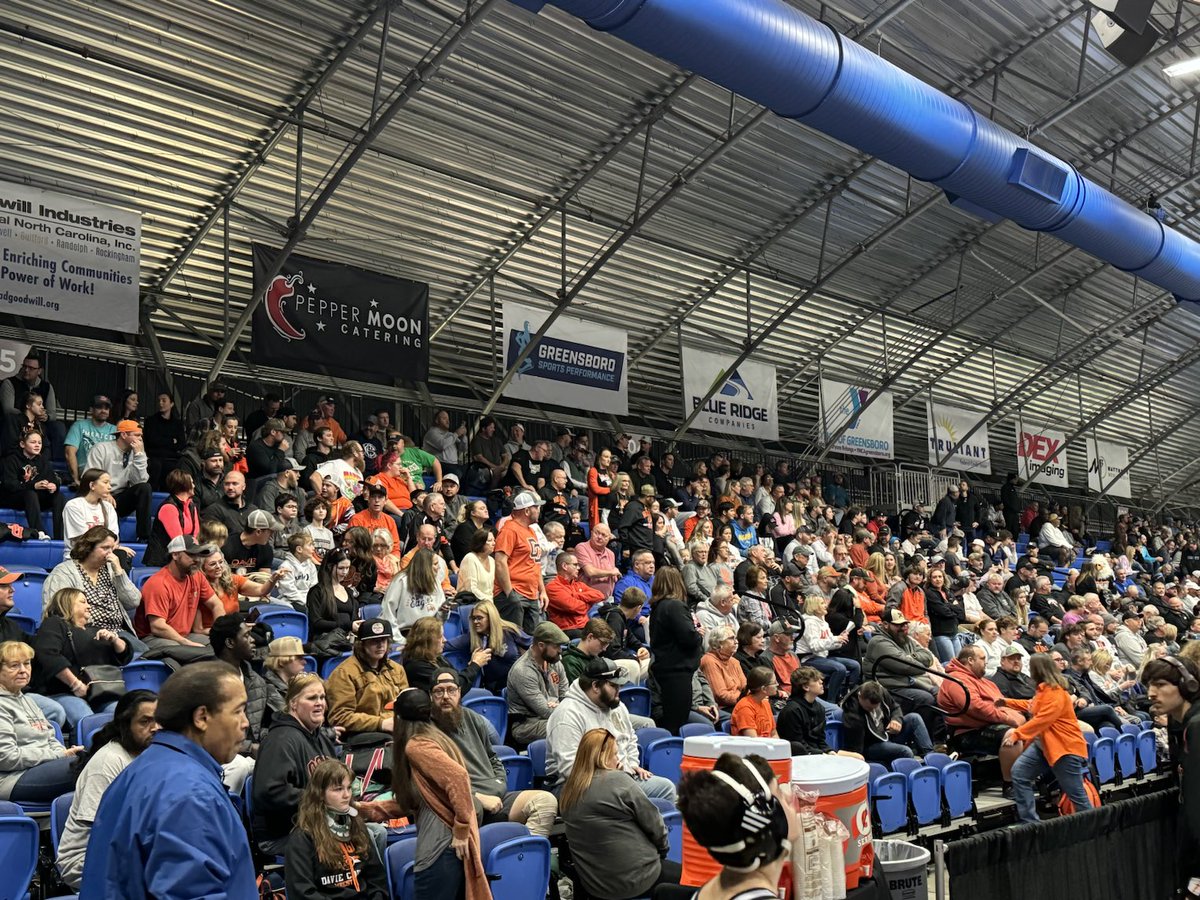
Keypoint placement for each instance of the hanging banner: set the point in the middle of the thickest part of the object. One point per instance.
(576, 364)
(1105, 460)
(744, 404)
(1042, 445)
(65, 259)
(948, 426)
(12, 354)
(868, 433)
(320, 314)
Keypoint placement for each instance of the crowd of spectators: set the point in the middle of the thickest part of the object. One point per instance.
(745, 598)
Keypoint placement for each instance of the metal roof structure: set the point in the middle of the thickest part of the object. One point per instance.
(500, 156)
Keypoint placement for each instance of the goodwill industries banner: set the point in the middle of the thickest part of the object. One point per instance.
(317, 313)
(576, 363)
(869, 432)
(743, 404)
(1036, 446)
(1105, 460)
(948, 426)
(64, 259)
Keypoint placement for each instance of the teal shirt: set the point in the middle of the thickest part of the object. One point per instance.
(85, 434)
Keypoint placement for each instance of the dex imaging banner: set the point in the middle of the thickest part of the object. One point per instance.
(1105, 460)
(317, 313)
(948, 426)
(64, 259)
(576, 363)
(745, 401)
(868, 432)
(1036, 446)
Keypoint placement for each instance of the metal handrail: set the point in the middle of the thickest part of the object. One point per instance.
(917, 667)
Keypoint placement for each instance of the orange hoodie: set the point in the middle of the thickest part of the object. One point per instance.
(1053, 721)
(912, 604)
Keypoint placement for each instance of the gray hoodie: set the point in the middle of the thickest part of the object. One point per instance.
(575, 716)
(26, 739)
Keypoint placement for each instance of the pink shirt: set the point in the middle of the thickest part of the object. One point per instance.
(598, 559)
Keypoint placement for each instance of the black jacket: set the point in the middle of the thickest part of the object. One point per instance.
(304, 876)
(164, 437)
(945, 615)
(630, 636)
(264, 460)
(859, 730)
(420, 673)
(233, 517)
(1049, 608)
(674, 640)
(634, 530)
(285, 758)
(803, 724)
(156, 551)
(18, 473)
(58, 645)
(1017, 686)
(943, 513)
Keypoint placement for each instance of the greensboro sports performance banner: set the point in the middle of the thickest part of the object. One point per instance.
(949, 425)
(1105, 460)
(65, 259)
(868, 433)
(577, 363)
(1036, 446)
(317, 313)
(743, 404)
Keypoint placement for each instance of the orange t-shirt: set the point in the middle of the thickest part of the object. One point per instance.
(397, 490)
(756, 714)
(518, 543)
(229, 601)
(368, 520)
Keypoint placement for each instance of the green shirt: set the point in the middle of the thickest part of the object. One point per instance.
(417, 462)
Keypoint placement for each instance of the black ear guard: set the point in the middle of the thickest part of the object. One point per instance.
(1187, 680)
(763, 824)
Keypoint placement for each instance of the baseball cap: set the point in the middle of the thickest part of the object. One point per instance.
(7, 577)
(1012, 650)
(285, 646)
(1026, 563)
(128, 426)
(372, 420)
(375, 628)
(647, 490)
(802, 550)
(292, 463)
(893, 616)
(259, 519)
(937, 558)
(214, 453)
(672, 504)
(527, 499)
(413, 705)
(792, 570)
(779, 626)
(100, 400)
(549, 633)
(564, 431)
(450, 476)
(444, 673)
(828, 572)
(218, 386)
(858, 573)
(185, 543)
(600, 669)
(326, 398)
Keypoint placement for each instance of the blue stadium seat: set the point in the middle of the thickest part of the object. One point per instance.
(1130, 728)
(86, 730)
(1104, 753)
(138, 550)
(145, 674)
(27, 595)
(504, 751)
(58, 818)
(674, 822)
(494, 709)
(957, 789)
(128, 529)
(401, 857)
(647, 736)
(1108, 731)
(371, 610)
(1147, 750)
(891, 802)
(140, 574)
(695, 729)
(924, 789)
(1103, 546)
(310, 665)
(285, 622)
(477, 692)
(727, 726)
(636, 700)
(25, 623)
(41, 554)
(518, 867)
(328, 665)
(452, 627)
(537, 755)
(519, 771)
(664, 758)
(459, 659)
(1127, 757)
(833, 735)
(18, 855)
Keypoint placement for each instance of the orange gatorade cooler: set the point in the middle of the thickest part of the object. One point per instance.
(702, 753)
(842, 785)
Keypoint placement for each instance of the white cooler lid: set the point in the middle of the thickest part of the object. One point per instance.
(829, 775)
(710, 746)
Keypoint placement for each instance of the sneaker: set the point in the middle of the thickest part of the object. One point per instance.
(41, 536)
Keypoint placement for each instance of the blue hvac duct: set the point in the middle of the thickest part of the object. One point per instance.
(775, 55)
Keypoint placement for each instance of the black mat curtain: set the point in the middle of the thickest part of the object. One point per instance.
(1121, 851)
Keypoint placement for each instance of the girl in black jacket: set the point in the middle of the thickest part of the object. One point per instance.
(945, 615)
(330, 854)
(28, 483)
(676, 648)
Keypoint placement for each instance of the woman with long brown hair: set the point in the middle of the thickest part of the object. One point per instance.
(423, 656)
(599, 489)
(675, 648)
(608, 817)
(330, 853)
(432, 787)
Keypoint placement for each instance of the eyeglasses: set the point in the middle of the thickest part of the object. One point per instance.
(446, 691)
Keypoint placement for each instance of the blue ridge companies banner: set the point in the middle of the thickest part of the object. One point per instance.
(868, 431)
(65, 259)
(744, 404)
(316, 313)
(576, 363)
(948, 426)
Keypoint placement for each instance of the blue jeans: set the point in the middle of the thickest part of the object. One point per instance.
(45, 781)
(943, 647)
(51, 709)
(841, 675)
(77, 708)
(657, 786)
(443, 880)
(1032, 765)
(912, 733)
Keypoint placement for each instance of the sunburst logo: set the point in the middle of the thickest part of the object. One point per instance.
(948, 426)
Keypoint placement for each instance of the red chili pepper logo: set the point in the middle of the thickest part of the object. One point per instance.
(282, 288)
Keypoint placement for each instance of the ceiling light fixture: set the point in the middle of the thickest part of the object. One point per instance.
(1179, 69)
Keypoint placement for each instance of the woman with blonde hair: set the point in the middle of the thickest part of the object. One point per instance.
(608, 817)
(230, 587)
(330, 853)
(433, 788)
(387, 561)
(34, 766)
(879, 581)
(285, 660)
(487, 630)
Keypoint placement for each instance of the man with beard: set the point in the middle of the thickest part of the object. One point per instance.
(232, 509)
(593, 701)
(536, 810)
(170, 598)
(536, 684)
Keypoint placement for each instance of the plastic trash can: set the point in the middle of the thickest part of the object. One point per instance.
(903, 867)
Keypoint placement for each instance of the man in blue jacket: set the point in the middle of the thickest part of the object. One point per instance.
(166, 827)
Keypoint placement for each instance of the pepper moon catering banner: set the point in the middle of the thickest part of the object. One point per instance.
(66, 259)
(316, 313)
(744, 404)
(577, 363)
(947, 426)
